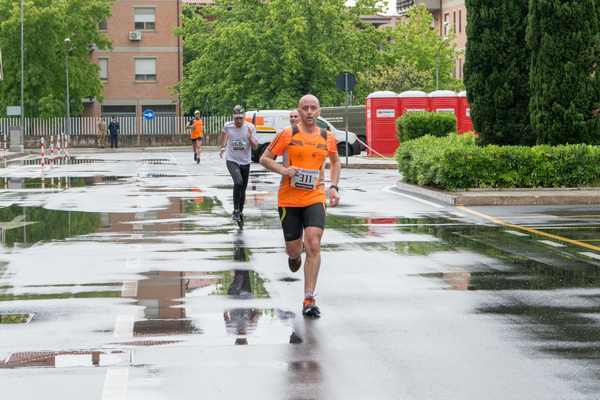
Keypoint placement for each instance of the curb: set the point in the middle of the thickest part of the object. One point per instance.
(14, 156)
(516, 197)
(364, 165)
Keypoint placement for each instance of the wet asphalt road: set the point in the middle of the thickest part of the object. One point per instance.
(123, 277)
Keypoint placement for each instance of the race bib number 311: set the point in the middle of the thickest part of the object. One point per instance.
(305, 179)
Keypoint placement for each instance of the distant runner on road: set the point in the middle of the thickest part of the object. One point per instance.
(196, 127)
(302, 197)
(294, 117)
(238, 138)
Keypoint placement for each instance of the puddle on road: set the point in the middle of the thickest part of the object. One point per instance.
(30, 225)
(62, 295)
(57, 182)
(524, 275)
(16, 318)
(162, 293)
(571, 332)
(27, 226)
(72, 160)
(66, 359)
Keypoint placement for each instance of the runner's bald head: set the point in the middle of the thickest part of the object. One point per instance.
(308, 98)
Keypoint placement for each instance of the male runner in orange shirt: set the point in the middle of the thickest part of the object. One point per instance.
(197, 131)
(301, 199)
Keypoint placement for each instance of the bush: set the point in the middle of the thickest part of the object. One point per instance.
(413, 125)
(456, 161)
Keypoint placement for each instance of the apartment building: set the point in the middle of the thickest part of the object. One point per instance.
(145, 62)
(449, 16)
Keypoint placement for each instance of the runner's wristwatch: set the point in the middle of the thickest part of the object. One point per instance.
(337, 189)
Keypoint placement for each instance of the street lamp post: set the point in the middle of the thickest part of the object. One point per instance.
(68, 102)
(22, 71)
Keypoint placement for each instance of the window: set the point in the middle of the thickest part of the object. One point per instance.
(446, 23)
(103, 63)
(454, 21)
(145, 69)
(145, 19)
(459, 21)
(103, 25)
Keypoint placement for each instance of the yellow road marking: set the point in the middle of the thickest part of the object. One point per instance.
(498, 221)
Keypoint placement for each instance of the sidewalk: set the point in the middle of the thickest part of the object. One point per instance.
(507, 197)
(364, 162)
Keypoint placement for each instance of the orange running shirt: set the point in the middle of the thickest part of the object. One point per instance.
(307, 151)
(197, 128)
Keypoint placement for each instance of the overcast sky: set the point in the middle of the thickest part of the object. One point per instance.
(390, 9)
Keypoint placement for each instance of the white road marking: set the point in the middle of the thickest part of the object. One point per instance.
(429, 203)
(590, 254)
(516, 233)
(115, 384)
(551, 243)
(124, 327)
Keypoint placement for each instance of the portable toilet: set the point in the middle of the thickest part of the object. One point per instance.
(382, 111)
(463, 118)
(413, 100)
(444, 101)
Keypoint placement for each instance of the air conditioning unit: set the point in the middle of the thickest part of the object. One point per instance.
(135, 35)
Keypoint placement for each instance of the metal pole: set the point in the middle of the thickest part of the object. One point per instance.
(346, 118)
(68, 100)
(22, 71)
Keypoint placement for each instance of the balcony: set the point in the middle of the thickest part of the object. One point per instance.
(403, 5)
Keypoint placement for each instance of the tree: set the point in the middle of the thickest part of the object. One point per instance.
(497, 71)
(564, 39)
(397, 77)
(414, 42)
(268, 54)
(46, 24)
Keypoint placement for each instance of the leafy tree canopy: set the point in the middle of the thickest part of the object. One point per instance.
(268, 54)
(46, 24)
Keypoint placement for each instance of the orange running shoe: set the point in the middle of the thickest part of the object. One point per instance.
(310, 309)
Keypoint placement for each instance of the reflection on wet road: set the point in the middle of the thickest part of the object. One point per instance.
(127, 271)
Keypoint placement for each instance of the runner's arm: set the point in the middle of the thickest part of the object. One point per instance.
(267, 160)
(224, 139)
(336, 168)
(252, 137)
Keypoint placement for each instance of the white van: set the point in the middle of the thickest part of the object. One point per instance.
(269, 122)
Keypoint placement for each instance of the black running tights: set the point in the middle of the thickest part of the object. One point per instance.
(240, 175)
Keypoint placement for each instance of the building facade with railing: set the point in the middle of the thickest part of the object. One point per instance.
(144, 65)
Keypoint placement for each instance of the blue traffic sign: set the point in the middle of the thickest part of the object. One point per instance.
(149, 114)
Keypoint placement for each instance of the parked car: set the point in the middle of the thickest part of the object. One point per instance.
(269, 122)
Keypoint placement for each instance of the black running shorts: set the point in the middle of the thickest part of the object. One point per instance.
(295, 219)
(199, 140)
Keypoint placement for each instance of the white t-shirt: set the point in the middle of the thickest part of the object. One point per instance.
(238, 148)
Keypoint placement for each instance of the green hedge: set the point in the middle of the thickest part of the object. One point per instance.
(455, 161)
(415, 124)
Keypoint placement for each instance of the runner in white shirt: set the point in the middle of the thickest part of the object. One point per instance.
(237, 141)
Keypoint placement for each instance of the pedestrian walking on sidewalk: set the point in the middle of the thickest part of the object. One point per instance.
(238, 138)
(301, 199)
(114, 128)
(101, 133)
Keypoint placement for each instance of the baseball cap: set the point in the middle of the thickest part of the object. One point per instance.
(238, 111)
